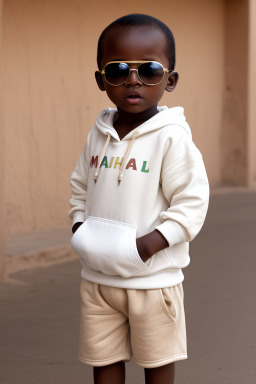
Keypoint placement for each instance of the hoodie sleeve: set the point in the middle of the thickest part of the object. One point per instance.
(185, 187)
(78, 182)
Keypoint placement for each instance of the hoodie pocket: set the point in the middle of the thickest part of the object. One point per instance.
(108, 247)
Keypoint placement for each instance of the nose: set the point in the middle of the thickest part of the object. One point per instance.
(133, 78)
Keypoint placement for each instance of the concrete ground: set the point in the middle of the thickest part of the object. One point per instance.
(39, 319)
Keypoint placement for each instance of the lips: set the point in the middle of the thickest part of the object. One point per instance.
(133, 94)
(133, 97)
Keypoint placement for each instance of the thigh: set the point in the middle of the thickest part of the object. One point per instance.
(158, 330)
(104, 330)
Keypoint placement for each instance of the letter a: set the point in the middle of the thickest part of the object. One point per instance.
(131, 164)
(104, 162)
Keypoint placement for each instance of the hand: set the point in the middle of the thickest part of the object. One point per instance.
(150, 244)
(142, 248)
(76, 226)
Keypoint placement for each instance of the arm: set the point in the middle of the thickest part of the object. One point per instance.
(185, 186)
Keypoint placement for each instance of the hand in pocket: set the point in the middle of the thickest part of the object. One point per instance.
(150, 244)
(76, 226)
(142, 249)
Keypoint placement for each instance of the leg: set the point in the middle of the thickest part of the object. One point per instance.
(163, 375)
(110, 374)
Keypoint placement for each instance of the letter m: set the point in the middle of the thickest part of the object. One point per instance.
(94, 161)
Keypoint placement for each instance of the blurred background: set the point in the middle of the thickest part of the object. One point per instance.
(49, 101)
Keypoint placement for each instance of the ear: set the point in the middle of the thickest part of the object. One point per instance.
(172, 81)
(99, 80)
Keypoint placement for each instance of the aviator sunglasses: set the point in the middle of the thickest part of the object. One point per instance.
(149, 72)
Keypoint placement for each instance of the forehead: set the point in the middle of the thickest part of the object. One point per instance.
(134, 43)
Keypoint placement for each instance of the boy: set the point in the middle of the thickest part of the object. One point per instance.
(140, 194)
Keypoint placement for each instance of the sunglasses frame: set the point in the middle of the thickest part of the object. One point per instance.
(165, 70)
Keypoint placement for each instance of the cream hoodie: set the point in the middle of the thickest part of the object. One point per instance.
(154, 178)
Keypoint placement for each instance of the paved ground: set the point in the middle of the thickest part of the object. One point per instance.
(40, 310)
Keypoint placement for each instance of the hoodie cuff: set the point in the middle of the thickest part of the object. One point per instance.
(172, 232)
(79, 217)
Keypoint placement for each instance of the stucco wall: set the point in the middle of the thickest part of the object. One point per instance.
(2, 256)
(51, 99)
(252, 96)
(234, 138)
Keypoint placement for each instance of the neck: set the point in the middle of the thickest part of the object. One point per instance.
(126, 122)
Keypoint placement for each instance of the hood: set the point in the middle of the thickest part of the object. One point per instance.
(166, 116)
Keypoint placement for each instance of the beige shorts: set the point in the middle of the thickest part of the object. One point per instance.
(117, 323)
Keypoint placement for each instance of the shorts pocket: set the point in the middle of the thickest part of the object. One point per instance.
(168, 302)
(109, 247)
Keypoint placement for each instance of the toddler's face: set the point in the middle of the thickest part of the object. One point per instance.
(140, 44)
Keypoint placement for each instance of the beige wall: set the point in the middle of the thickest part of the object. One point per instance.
(2, 257)
(234, 138)
(252, 96)
(51, 99)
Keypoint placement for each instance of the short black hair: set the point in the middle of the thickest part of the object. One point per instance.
(141, 20)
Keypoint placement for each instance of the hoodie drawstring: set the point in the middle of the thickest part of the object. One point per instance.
(127, 152)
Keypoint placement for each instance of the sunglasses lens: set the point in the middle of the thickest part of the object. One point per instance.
(116, 73)
(151, 73)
